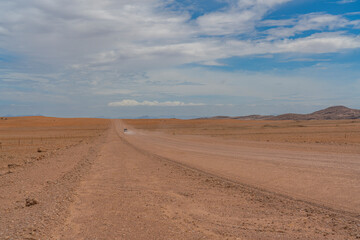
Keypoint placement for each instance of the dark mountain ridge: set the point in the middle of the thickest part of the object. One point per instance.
(330, 113)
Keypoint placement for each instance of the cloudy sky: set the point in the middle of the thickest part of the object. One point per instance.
(177, 58)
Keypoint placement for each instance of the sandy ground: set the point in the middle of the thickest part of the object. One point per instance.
(36, 187)
(156, 185)
(26, 140)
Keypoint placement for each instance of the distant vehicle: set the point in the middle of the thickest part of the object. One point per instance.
(125, 130)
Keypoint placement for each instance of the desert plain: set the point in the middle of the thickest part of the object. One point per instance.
(179, 179)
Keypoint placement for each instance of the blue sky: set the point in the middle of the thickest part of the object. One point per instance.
(172, 58)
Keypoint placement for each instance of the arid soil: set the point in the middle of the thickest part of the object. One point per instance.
(41, 162)
(310, 134)
(25, 140)
(198, 179)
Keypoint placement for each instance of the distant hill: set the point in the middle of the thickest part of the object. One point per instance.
(331, 113)
(254, 117)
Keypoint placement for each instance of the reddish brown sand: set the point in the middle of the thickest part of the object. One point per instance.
(179, 183)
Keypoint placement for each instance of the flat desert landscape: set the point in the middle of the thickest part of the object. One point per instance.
(179, 179)
(179, 120)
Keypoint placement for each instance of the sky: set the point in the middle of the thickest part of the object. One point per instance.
(177, 58)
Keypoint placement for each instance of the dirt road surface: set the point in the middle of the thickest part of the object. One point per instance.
(325, 177)
(142, 185)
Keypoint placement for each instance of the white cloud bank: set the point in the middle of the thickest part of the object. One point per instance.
(132, 103)
(144, 34)
(92, 52)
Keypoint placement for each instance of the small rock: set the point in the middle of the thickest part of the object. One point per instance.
(12, 165)
(31, 202)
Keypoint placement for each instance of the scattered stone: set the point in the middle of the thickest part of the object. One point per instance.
(39, 150)
(12, 165)
(31, 202)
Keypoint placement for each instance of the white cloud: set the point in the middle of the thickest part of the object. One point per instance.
(212, 63)
(345, 1)
(313, 21)
(227, 22)
(100, 50)
(352, 13)
(132, 103)
(143, 34)
(240, 18)
(320, 43)
(314, 44)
